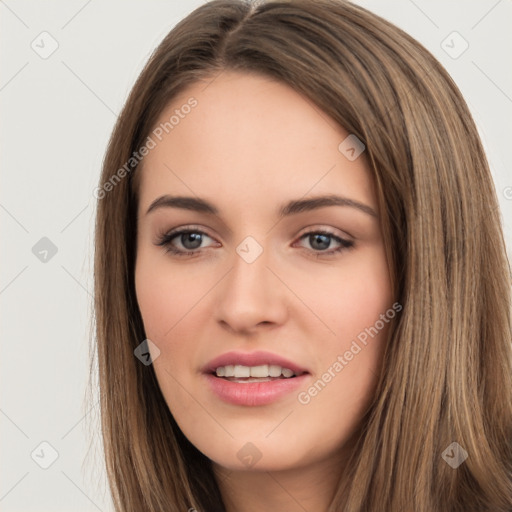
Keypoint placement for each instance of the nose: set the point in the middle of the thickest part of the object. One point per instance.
(251, 296)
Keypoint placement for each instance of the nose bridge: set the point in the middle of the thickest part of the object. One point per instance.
(249, 273)
(249, 295)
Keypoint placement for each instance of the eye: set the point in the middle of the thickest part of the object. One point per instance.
(190, 239)
(321, 240)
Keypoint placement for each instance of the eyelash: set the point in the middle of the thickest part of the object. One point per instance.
(166, 239)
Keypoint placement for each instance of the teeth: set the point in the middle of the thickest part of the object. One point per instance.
(286, 372)
(242, 371)
(261, 371)
(274, 370)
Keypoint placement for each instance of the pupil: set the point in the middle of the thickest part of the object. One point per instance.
(191, 237)
(325, 238)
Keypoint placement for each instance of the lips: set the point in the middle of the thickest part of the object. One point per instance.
(252, 379)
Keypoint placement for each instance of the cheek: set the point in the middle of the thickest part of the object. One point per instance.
(365, 296)
(166, 300)
(357, 306)
(172, 303)
(351, 298)
(166, 295)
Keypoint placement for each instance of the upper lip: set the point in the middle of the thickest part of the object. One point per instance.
(252, 359)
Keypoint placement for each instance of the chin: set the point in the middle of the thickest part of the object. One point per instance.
(248, 452)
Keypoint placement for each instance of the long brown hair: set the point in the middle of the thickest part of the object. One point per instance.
(447, 369)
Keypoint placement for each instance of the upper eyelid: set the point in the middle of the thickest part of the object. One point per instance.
(313, 228)
(186, 229)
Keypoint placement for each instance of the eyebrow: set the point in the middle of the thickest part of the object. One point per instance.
(290, 208)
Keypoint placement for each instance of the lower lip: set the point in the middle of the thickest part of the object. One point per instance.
(254, 393)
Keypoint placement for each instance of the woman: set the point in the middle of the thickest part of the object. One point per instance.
(302, 288)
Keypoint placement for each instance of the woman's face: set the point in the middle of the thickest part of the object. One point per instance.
(268, 279)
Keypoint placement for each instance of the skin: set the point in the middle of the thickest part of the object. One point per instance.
(250, 145)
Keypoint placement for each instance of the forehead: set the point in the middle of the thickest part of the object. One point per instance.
(248, 138)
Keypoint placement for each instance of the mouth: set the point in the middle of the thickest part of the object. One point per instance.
(260, 373)
(254, 379)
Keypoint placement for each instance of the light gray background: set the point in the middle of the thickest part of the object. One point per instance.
(57, 115)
